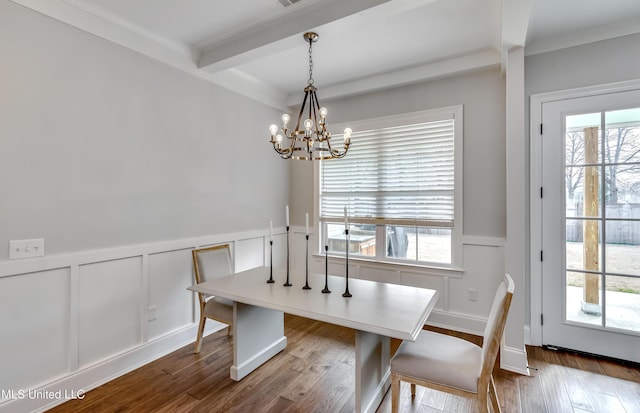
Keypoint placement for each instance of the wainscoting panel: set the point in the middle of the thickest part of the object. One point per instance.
(109, 309)
(34, 309)
(75, 321)
(249, 253)
(171, 306)
(279, 251)
(441, 284)
(370, 272)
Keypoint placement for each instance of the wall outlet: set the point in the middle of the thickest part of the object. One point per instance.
(472, 294)
(26, 248)
(151, 312)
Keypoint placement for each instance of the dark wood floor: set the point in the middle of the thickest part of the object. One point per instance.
(315, 374)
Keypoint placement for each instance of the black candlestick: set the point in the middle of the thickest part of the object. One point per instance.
(346, 291)
(270, 280)
(287, 284)
(326, 270)
(306, 284)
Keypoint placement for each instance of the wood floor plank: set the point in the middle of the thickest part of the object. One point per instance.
(507, 388)
(577, 385)
(315, 373)
(554, 389)
(629, 395)
(531, 395)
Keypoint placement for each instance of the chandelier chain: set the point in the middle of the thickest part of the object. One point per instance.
(310, 81)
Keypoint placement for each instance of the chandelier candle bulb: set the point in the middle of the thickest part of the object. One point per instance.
(323, 115)
(273, 129)
(347, 136)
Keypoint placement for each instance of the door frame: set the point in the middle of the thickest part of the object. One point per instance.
(535, 184)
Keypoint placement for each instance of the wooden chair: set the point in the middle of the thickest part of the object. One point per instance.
(454, 365)
(210, 263)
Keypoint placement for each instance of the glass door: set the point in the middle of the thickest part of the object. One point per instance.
(591, 224)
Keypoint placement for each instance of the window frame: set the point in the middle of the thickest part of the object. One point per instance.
(431, 115)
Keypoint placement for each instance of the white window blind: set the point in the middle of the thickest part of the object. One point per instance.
(402, 175)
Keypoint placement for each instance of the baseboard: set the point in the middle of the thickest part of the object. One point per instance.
(458, 322)
(76, 384)
(514, 359)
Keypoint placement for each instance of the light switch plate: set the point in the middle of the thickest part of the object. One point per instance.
(26, 248)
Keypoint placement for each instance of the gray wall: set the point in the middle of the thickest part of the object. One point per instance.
(103, 147)
(596, 63)
(483, 95)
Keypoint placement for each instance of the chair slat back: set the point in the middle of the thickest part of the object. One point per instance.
(496, 322)
(211, 262)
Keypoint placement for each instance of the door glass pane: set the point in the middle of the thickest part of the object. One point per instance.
(581, 255)
(584, 297)
(622, 144)
(623, 302)
(622, 188)
(575, 178)
(579, 129)
(623, 247)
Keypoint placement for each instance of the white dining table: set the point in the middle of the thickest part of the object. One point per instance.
(376, 311)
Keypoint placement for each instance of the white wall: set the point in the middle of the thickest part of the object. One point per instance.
(596, 63)
(483, 95)
(122, 164)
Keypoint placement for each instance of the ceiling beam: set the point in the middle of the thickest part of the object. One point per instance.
(280, 34)
(515, 22)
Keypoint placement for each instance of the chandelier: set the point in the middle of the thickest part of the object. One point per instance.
(312, 141)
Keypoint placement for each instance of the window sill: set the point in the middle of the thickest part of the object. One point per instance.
(450, 272)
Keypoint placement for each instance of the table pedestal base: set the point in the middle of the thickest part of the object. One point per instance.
(373, 370)
(258, 335)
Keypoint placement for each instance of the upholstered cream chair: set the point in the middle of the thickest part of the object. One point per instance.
(454, 365)
(210, 263)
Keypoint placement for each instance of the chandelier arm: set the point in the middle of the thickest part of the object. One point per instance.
(315, 114)
(304, 103)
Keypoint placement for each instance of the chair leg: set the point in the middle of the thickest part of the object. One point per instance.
(200, 333)
(229, 331)
(413, 390)
(493, 395)
(395, 392)
(483, 402)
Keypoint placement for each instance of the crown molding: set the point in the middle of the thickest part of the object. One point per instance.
(595, 34)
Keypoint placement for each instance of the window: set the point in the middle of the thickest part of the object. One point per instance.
(401, 183)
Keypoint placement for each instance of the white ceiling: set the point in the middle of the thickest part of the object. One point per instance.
(255, 47)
